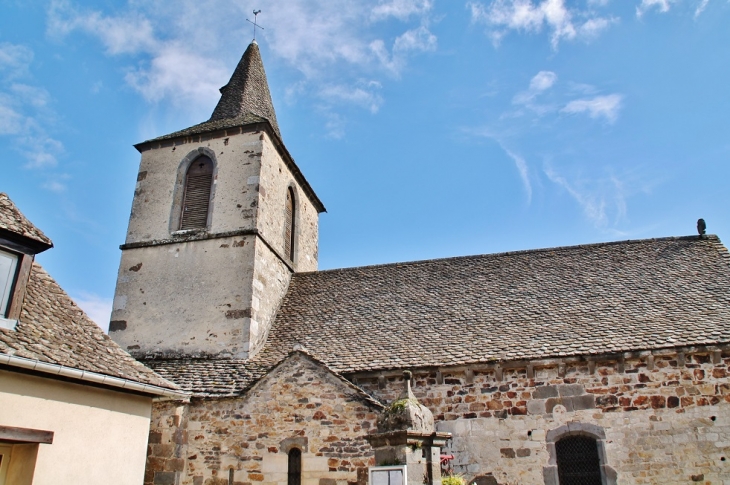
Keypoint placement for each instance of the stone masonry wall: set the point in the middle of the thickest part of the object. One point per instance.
(275, 179)
(300, 404)
(270, 281)
(666, 417)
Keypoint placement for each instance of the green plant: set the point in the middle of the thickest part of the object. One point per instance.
(401, 404)
(453, 480)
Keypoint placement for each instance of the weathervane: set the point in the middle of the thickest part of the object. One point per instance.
(255, 18)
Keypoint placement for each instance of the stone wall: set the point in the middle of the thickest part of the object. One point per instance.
(270, 281)
(275, 179)
(666, 417)
(299, 404)
(161, 176)
(169, 299)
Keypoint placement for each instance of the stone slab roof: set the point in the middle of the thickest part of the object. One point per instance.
(210, 126)
(570, 301)
(210, 377)
(11, 219)
(581, 300)
(233, 377)
(53, 329)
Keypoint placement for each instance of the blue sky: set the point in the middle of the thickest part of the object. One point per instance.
(428, 128)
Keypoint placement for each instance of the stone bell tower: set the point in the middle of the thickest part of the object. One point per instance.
(221, 218)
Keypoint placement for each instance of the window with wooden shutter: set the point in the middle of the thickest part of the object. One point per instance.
(196, 200)
(294, 475)
(578, 461)
(289, 225)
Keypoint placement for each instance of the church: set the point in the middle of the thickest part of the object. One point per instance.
(594, 364)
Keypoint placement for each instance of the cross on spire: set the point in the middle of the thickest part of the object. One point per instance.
(255, 24)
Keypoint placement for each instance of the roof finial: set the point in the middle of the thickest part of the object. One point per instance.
(255, 18)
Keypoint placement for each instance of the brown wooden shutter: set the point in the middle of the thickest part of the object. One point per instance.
(198, 182)
(289, 225)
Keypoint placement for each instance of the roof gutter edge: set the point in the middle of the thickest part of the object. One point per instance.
(83, 375)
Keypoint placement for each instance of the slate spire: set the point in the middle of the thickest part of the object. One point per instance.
(247, 91)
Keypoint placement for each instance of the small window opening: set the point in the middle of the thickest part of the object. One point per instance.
(294, 476)
(578, 462)
(196, 200)
(289, 224)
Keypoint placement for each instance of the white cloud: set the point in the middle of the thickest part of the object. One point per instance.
(525, 16)
(401, 9)
(176, 52)
(598, 107)
(415, 40)
(364, 96)
(541, 82)
(602, 199)
(25, 113)
(701, 7)
(98, 308)
(646, 5)
(54, 186)
(14, 59)
(521, 166)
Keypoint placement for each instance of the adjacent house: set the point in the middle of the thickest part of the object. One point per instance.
(74, 407)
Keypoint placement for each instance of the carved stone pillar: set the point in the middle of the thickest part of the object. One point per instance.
(406, 436)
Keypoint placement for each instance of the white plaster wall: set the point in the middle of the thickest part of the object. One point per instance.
(100, 436)
(192, 297)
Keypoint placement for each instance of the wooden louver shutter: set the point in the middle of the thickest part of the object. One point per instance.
(289, 225)
(198, 182)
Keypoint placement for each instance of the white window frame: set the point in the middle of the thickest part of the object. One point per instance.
(402, 468)
(7, 280)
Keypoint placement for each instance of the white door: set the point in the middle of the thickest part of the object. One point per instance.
(5, 451)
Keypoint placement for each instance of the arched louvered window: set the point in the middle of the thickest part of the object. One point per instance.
(196, 199)
(290, 218)
(578, 461)
(294, 475)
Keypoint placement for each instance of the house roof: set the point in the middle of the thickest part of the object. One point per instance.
(580, 300)
(233, 377)
(12, 220)
(54, 330)
(570, 301)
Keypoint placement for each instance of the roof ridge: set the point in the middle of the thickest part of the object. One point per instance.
(710, 238)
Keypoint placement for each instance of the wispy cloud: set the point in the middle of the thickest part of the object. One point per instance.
(701, 7)
(25, 113)
(502, 16)
(541, 82)
(173, 57)
(98, 308)
(401, 9)
(601, 199)
(606, 107)
(365, 95)
(659, 5)
(522, 168)
(518, 160)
